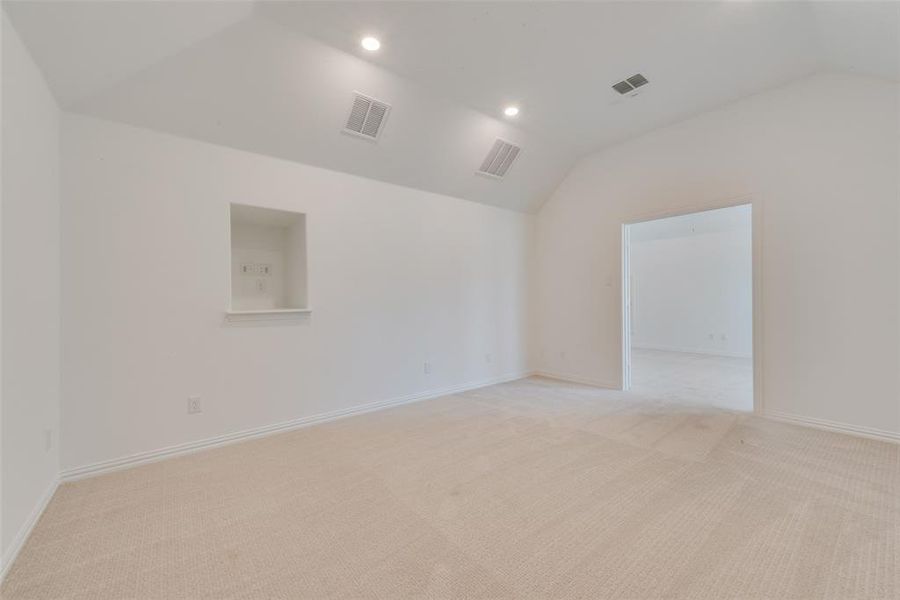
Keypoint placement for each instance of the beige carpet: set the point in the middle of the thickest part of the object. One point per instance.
(533, 489)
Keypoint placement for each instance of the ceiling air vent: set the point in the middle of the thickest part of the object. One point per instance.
(499, 159)
(367, 116)
(630, 85)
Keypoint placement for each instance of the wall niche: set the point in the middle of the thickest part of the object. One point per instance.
(268, 261)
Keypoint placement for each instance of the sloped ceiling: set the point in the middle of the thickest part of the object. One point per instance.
(87, 47)
(276, 78)
(559, 60)
(259, 87)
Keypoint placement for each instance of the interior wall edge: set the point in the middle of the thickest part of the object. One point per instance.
(31, 389)
(9, 556)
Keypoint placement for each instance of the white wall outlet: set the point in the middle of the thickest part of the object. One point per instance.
(426, 368)
(48, 440)
(193, 405)
(488, 358)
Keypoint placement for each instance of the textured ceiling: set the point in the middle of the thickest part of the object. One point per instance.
(276, 77)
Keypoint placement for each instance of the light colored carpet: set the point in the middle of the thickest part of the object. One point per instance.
(723, 381)
(532, 489)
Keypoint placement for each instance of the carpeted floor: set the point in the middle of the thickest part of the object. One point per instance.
(682, 377)
(532, 489)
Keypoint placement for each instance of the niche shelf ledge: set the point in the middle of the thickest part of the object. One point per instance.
(263, 314)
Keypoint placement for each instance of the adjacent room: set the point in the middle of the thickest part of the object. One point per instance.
(526, 300)
(688, 301)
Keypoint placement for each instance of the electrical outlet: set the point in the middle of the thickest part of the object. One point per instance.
(48, 440)
(488, 358)
(427, 367)
(256, 269)
(193, 405)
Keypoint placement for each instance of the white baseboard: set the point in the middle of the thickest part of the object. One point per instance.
(125, 462)
(868, 432)
(578, 379)
(701, 351)
(9, 557)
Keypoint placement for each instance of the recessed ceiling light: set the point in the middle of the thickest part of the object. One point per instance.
(511, 111)
(371, 44)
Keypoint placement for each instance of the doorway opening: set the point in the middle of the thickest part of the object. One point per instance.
(688, 308)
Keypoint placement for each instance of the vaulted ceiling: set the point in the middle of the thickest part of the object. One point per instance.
(277, 78)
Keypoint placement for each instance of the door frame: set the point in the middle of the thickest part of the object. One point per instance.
(756, 221)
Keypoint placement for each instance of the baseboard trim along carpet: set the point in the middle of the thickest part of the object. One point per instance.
(9, 557)
(230, 438)
(578, 379)
(686, 350)
(868, 432)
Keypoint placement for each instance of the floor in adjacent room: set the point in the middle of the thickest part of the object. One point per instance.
(530, 489)
(722, 381)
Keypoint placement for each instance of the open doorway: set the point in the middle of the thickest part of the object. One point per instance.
(688, 308)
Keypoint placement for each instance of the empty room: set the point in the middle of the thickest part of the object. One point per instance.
(445, 299)
(687, 298)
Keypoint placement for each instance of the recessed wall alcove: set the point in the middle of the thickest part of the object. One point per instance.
(268, 273)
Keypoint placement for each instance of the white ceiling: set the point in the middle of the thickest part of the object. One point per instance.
(860, 36)
(84, 48)
(559, 59)
(276, 77)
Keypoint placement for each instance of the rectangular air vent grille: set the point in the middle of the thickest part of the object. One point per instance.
(623, 87)
(637, 80)
(499, 159)
(628, 86)
(367, 116)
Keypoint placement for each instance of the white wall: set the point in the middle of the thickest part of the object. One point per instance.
(819, 158)
(397, 277)
(30, 295)
(691, 288)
